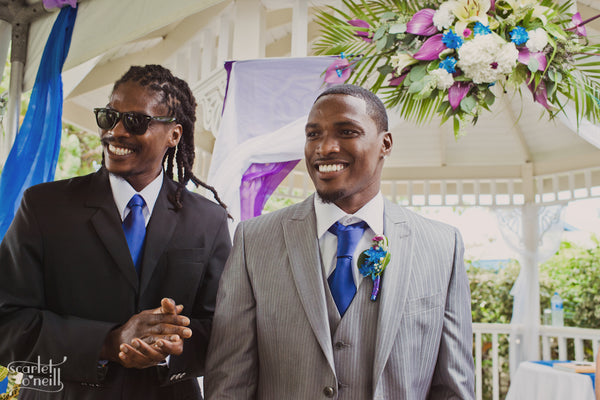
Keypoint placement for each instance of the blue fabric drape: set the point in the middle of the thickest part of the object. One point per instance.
(34, 154)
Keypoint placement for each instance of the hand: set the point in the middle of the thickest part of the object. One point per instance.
(163, 328)
(143, 355)
(167, 306)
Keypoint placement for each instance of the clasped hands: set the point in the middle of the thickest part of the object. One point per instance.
(147, 338)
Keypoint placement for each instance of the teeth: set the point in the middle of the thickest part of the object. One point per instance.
(331, 168)
(120, 151)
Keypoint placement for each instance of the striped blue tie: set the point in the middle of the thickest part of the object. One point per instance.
(341, 281)
(134, 227)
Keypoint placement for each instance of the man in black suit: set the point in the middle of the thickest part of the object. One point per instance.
(133, 320)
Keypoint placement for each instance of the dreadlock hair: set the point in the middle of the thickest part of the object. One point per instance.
(180, 103)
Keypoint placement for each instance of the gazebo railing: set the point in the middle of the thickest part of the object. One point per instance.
(492, 192)
(557, 343)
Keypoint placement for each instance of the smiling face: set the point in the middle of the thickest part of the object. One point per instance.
(138, 158)
(344, 151)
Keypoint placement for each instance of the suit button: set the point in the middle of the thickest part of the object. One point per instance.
(339, 345)
(328, 391)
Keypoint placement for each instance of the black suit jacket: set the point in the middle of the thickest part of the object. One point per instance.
(67, 279)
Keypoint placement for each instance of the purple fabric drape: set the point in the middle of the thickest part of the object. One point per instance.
(258, 183)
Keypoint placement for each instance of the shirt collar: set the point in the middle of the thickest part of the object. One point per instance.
(123, 192)
(328, 213)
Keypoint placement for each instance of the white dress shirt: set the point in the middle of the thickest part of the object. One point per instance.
(328, 213)
(123, 192)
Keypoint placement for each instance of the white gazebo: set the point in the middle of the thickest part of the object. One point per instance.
(514, 157)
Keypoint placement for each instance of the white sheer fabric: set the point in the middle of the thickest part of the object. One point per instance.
(267, 104)
(534, 232)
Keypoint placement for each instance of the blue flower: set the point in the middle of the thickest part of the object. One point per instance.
(481, 29)
(519, 35)
(448, 64)
(452, 40)
(375, 256)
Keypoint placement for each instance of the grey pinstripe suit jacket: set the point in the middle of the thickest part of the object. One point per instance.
(271, 336)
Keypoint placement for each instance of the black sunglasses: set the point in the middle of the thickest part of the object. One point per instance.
(135, 123)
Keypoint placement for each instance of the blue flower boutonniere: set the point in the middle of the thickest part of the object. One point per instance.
(372, 262)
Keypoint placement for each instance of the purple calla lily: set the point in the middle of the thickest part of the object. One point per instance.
(540, 94)
(364, 34)
(579, 27)
(397, 81)
(338, 72)
(579, 24)
(431, 49)
(457, 92)
(422, 23)
(525, 55)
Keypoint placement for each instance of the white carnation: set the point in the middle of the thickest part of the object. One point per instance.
(538, 39)
(486, 58)
(443, 78)
(444, 17)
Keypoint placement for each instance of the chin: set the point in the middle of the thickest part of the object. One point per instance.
(330, 196)
(123, 173)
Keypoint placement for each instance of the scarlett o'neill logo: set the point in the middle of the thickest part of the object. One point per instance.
(38, 376)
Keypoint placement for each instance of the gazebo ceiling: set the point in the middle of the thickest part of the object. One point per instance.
(508, 143)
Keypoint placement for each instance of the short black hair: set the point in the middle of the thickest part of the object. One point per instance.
(375, 107)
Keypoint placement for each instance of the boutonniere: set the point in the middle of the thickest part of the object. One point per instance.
(373, 261)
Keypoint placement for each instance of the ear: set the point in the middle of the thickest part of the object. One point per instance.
(386, 144)
(175, 135)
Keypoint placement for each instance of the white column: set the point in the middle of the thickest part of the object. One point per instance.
(249, 30)
(529, 269)
(300, 28)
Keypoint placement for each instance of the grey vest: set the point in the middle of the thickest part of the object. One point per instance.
(353, 339)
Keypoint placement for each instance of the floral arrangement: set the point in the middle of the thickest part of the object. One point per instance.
(372, 262)
(453, 58)
(12, 388)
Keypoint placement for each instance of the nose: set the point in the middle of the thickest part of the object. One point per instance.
(327, 145)
(119, 130)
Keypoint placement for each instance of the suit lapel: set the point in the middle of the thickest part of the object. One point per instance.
(107, 223)
(303, 249)
(159, 231)
(395, 282)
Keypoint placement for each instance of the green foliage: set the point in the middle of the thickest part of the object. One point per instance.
(574, 272)
(281, 199)
(80, 153)
(491, 301)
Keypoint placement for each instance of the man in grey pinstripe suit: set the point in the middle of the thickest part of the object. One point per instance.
(277, 333)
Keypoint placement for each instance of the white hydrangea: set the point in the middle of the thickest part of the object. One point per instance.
(486, 58)
(538, 39)
(444, 17)
(443, 78)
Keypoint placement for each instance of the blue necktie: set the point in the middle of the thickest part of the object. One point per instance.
(134, 227)
(341, 281)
